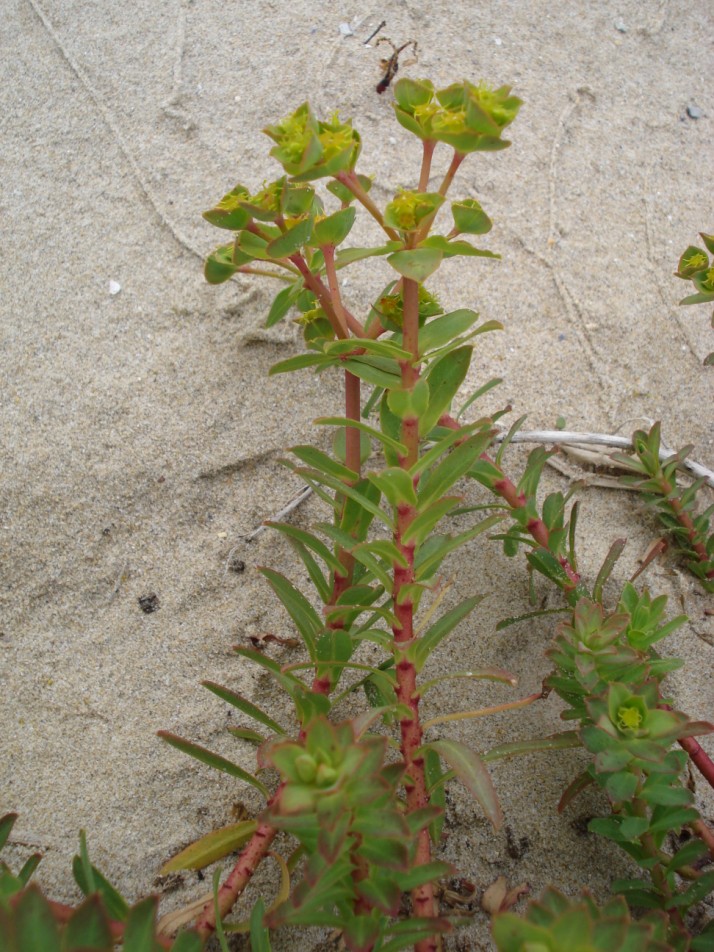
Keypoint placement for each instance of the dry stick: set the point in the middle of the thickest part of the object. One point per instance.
(567, 437)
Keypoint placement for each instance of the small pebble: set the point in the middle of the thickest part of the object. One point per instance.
(236, 565)
(346, 29)
(620, 26)
(149, 603)
(114, 287)
(694, 112)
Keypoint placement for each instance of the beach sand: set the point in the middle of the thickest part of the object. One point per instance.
(142, 436)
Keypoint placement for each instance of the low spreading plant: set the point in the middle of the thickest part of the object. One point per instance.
(360, 800)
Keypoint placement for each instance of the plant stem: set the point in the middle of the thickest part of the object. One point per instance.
(350, 181)
(313, 282)
(424, 902)
(456, 161)
(428, 151)
(483, 712)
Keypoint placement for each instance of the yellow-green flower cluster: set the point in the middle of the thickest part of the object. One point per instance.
(468, 117)
(408, 209)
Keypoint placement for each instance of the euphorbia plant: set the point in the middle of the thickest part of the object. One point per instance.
(366, 822)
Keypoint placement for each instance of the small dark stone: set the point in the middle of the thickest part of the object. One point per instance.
(236, 565)
(149, 603)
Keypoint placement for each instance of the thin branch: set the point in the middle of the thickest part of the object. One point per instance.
(570, 437)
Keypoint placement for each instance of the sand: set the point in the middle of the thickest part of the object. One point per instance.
(141, 435)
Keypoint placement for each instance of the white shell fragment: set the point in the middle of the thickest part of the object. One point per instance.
(114, 287)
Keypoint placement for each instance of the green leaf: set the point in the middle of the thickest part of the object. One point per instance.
(673, 819)
(219, 266)
(300, 361)
(416, 263)
(325, 463)
(311, 542)
(117, 907)
(297, 606)
(423, 646)
(259, 934)
(470, 218)
(367, 369)
(420, 528)
(444, 377)
(440, 479)
(6, 824)
(243, 704)
(35, 926)
(253, 245)
(140, 927)
(335, 228)
(214, 846)
(377, 348)
(563, 741)
(471, 771)
(212, 760)
(383, 438)
(282, 302)
(87, 927)
(187, 942)
(433, 552)
(349, 255)
(442, 330)
(396, 485)
(351, 492)
(451, 248)
(292, 240)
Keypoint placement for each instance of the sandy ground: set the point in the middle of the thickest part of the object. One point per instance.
(141, 435)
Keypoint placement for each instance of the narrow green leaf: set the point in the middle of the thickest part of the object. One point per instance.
(117, 907)
(396, 485)
(6, 824)
(471, 771)
(310, 541)
(282, 302)
(444, 377)
(351, 492)
(214, 846)
(507, 622)
(393, 444)
(430, 556)
(259, 934)
(297, 606)
(243, 704)
(423, 647)
(440, 479)
(564, 741)
(616, 550)
(87, 868)
(349, 255)
(442, 330)
(187, 942)
(673, 819)
(377, 348)
(366, 369)
(28, 868)
(324, 463)
(300, 361)
(212, 760)
(421, 527)
(247, 734)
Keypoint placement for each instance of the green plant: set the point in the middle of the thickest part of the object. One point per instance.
(694, 266)
(29, 922)
(365, 823)
(361, 799)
